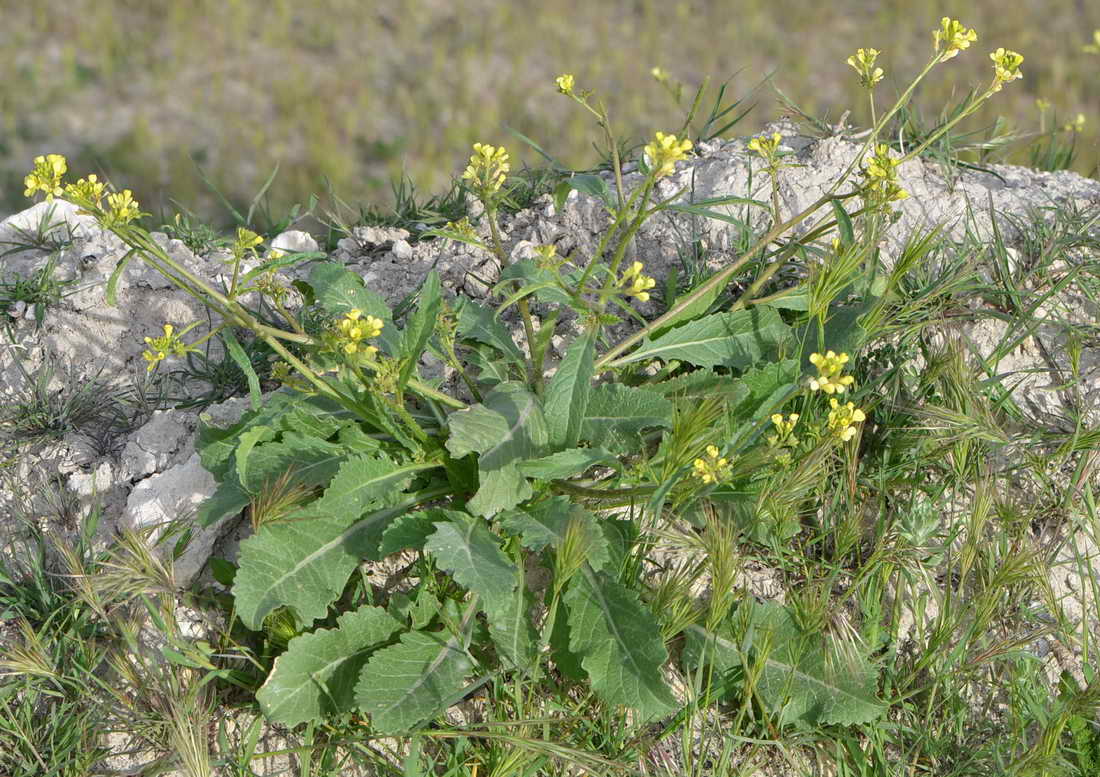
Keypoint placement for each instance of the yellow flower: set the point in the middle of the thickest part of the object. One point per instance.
(160, 348)
(881, 175)
(843, 418)
(664, 152)
(634, 284)
(1006, 67)
(352, 329)
(659, 75)
(122, 208)
(1077, 125)
(246, 239)
(565, 83)
(1042, 105)
(828, 377)
(86, 191)
(766, 147)
(1094, 47)
(713, 468)
(864, 64)
(952, 37)
(462, 228)
(46, 176)
(784, 430)
(546, 257)
(487, 169)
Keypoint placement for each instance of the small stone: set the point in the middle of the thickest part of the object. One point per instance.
(402, 251)
(294, 241)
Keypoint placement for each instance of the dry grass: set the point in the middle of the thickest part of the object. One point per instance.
(356, 91)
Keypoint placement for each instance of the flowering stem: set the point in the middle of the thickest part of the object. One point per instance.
(717, 280)
(534, 375)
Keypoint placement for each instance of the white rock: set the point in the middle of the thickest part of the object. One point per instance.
(294, 241)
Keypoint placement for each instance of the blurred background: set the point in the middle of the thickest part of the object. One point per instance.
(348, 95)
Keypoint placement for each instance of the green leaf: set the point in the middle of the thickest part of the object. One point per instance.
(546, 523)
(412, 681)
(240, 358)
(737, 339)
(567, 395)
(339, 290)
(844, 224)
(410, 531)
(507, 428)
(592, 185)
(463, 546)
(310, 461)
(229, 498)
(112, 282)
(617, 414)
(304, 560)
(315, 678)
(476, 322)
(699, 385)
(419, 327)
(800, 683)
(566, 463)
(246, 443)
(510, 626)
(619, 642)
(765, 388)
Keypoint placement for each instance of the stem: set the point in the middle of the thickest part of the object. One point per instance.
(534, 377)
(718, 279)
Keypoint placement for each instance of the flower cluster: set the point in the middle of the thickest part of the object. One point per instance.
(463, 228)
(87, 190)
(546, 257)
(565, 83)
(487, 169)
(1006, 67)
(864, 64)
(246, 241)
(352, 329)
(122, 208)
(713, 468)
(1077, 125)
(634, 284)
(664, 152)
(46, 176)
(766, 147)
(160, 348)
(952, 38)
(843, 418)
(881, 175)
(784, 430)
(828, 377)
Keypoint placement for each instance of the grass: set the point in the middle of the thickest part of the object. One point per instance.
(360, 95)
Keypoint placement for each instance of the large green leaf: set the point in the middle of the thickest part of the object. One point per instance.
(310, 462)
(738, 339)
(304, 560)
(479, 323)
(467, 549)
(507, 428)
(800, 682)
(567, 395)
(315, 678)
(510, 626)
(617, 414)
(412, 681)
(419, 327)
(619, 642)
(563, 464)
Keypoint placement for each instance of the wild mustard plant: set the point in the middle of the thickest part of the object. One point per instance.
(169, 344)
(380, 462)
